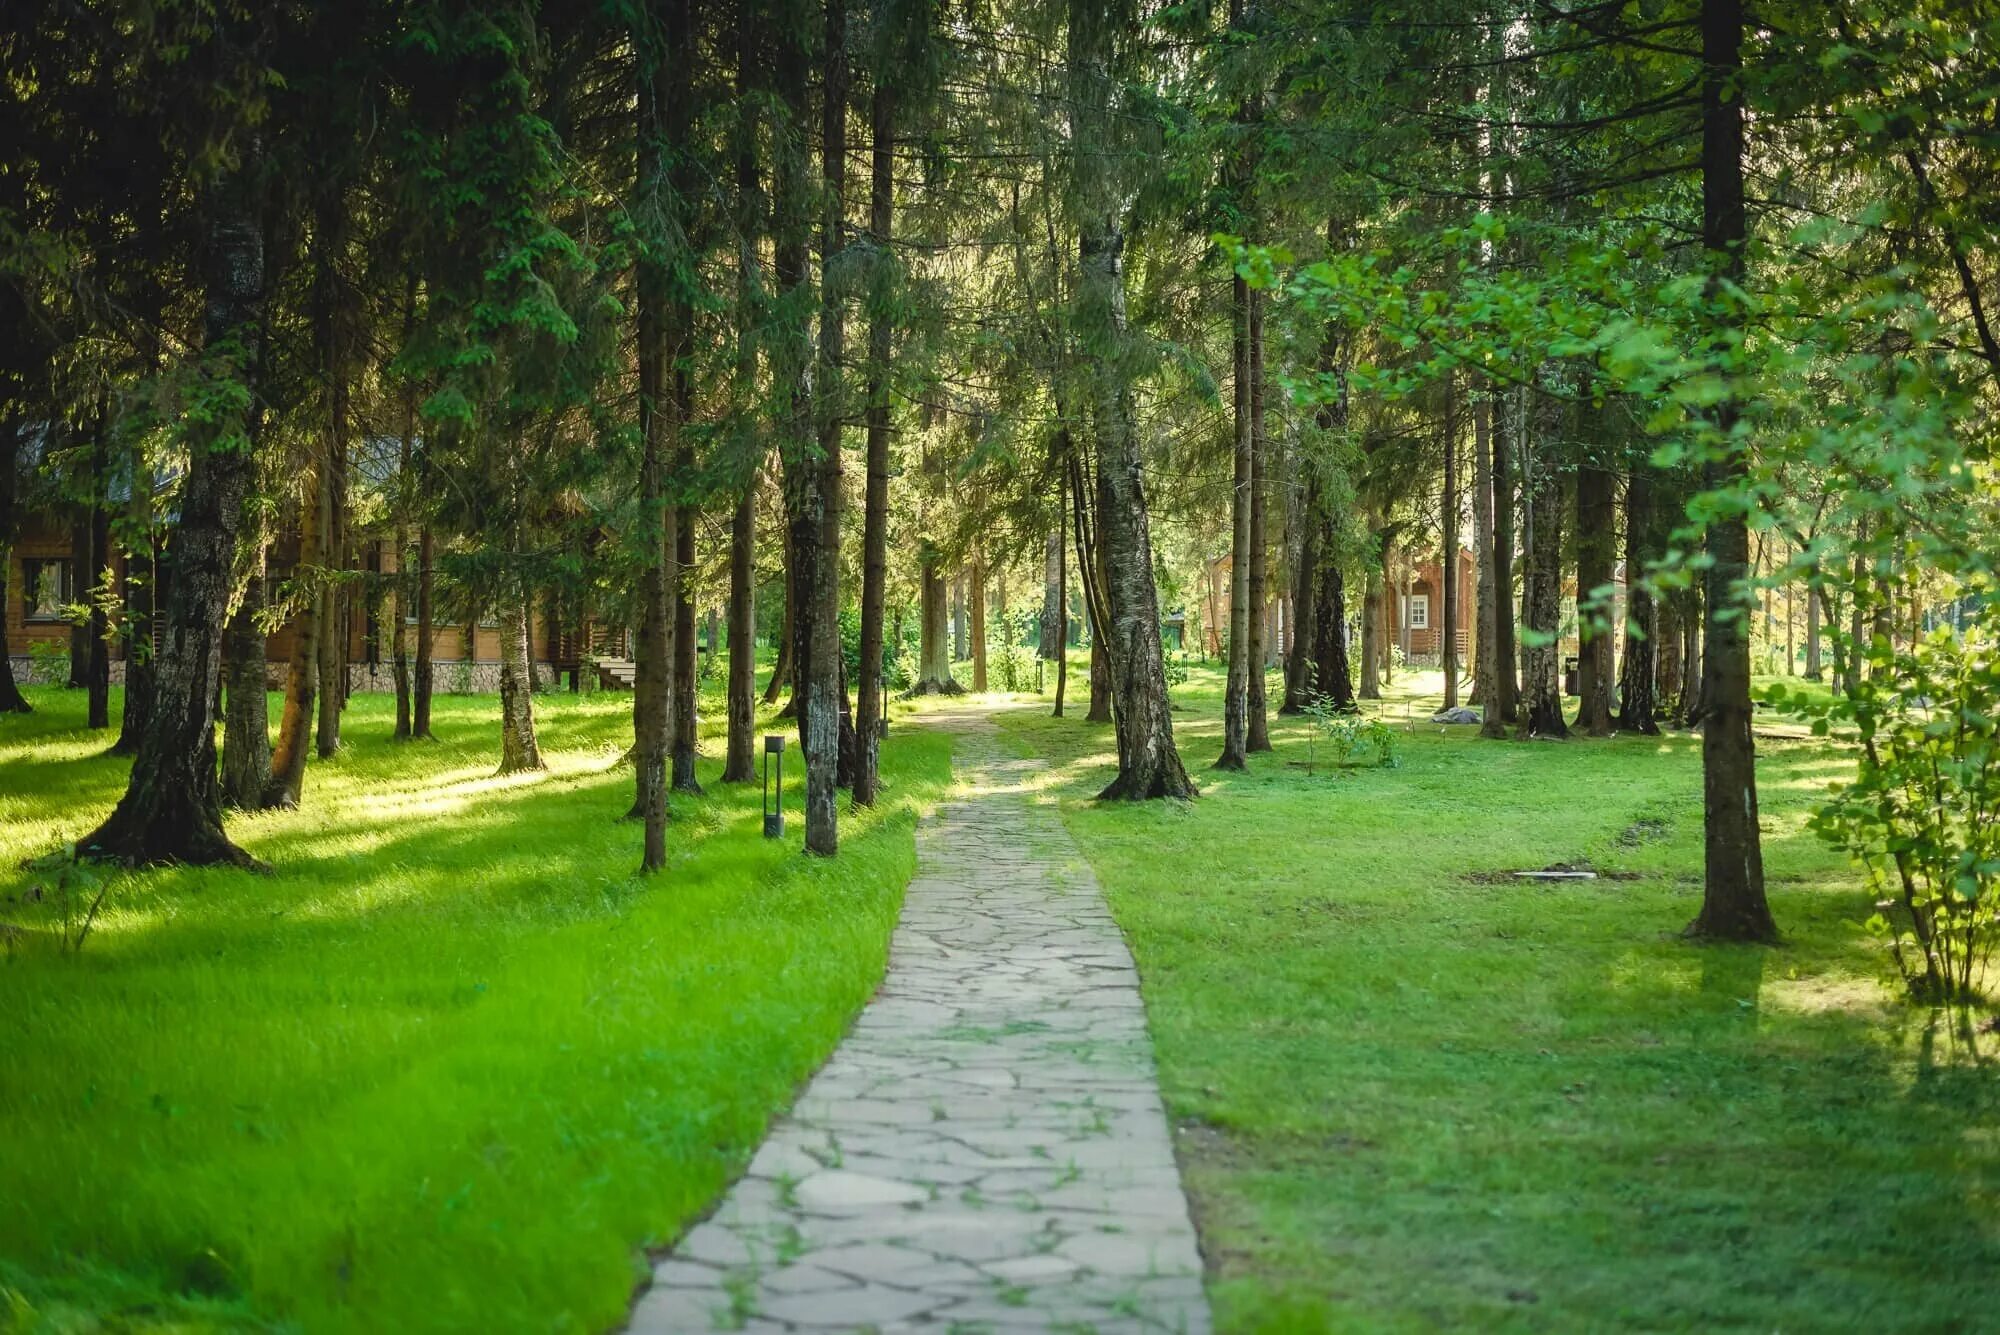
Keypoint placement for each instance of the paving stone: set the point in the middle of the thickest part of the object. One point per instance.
(987, 1150)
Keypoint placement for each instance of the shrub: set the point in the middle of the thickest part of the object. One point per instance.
(1351, 739)
(1922, 814)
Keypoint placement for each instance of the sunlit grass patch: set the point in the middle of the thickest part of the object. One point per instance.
(1414, 1093)
(451, 1066)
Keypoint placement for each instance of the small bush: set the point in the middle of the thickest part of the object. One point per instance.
(1351, 740)
(1923, 812)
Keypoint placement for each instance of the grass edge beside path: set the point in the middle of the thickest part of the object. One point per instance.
(451, 1066)
(1412, 1093)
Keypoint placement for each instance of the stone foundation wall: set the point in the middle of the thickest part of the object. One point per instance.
(58, 671)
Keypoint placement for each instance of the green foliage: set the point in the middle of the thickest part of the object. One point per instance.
(1351, 739)
(1923, 811)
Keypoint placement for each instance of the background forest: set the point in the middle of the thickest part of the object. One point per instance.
(798, 356)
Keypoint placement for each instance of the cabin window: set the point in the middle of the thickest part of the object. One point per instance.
(47, 589)
(1417, 611)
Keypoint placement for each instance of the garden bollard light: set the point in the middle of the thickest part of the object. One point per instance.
(774, 799)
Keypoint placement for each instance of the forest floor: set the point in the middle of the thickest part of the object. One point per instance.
(1412, 1091)
(451, 1066)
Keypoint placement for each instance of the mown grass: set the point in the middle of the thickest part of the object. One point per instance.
(1413, 1095)
(451, 1067)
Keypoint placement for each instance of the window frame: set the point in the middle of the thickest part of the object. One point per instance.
(33, 571)
(1417, 611)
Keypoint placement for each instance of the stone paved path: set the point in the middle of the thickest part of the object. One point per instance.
(987, 1150)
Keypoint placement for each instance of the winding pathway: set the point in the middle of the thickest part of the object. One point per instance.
(987, 1150)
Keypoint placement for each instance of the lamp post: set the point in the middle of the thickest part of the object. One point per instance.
(774, 797)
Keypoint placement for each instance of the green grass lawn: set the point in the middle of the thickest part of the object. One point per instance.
(451, 1067)
(1412, 1094)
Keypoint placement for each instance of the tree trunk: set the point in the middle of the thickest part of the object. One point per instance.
(739, 766)
(171, 810)
(875, 497)
(1667, 671)
(246, 727)
(519, 749)
(421, 673)
(1332, 677)
(402, 586)
(1301, 682)
(1236, 682)
(976, 609)
(97, 661)
(1504, 698)
(1816, 599)
(11, 700)
(1541, 683)
(1148, 763)
(933, 632)
(1492, 607)
(1733, 906)
(333, 593)
(781, 661)
(1049, 639)
(659, 57)
(1061, 618)
(286, 786)
(1258, 736)
(961, 648)
(1638, 706)
(812, 468)
(1596, 530)
(1448, 550)
(687, 645)
(1374, 607)
(79, 563)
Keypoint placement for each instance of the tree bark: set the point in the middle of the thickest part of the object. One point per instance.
(1733, 906)
(1541, 684)
(246, 728)
(286, 786)
(1596, 530)
(739, 764)
(1049, 639)
(1638, 706)
(875, 498)
(1236, 681)
(781, 663)
(687, 645)
(1374, 608)
(933, 631)
(1492, 600)
(519, 749)
(976, 615)
(333, 592)
(421, 670)
(11, 700)
(812, 467)
(1504, 698)
(1448, 549)
(171, 810)
(1259, 722)
(659, 58)
(1300, 675)
(961, 646)
(1148, 764)
(1061, 617)
(1332, 676)
(97, 659)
